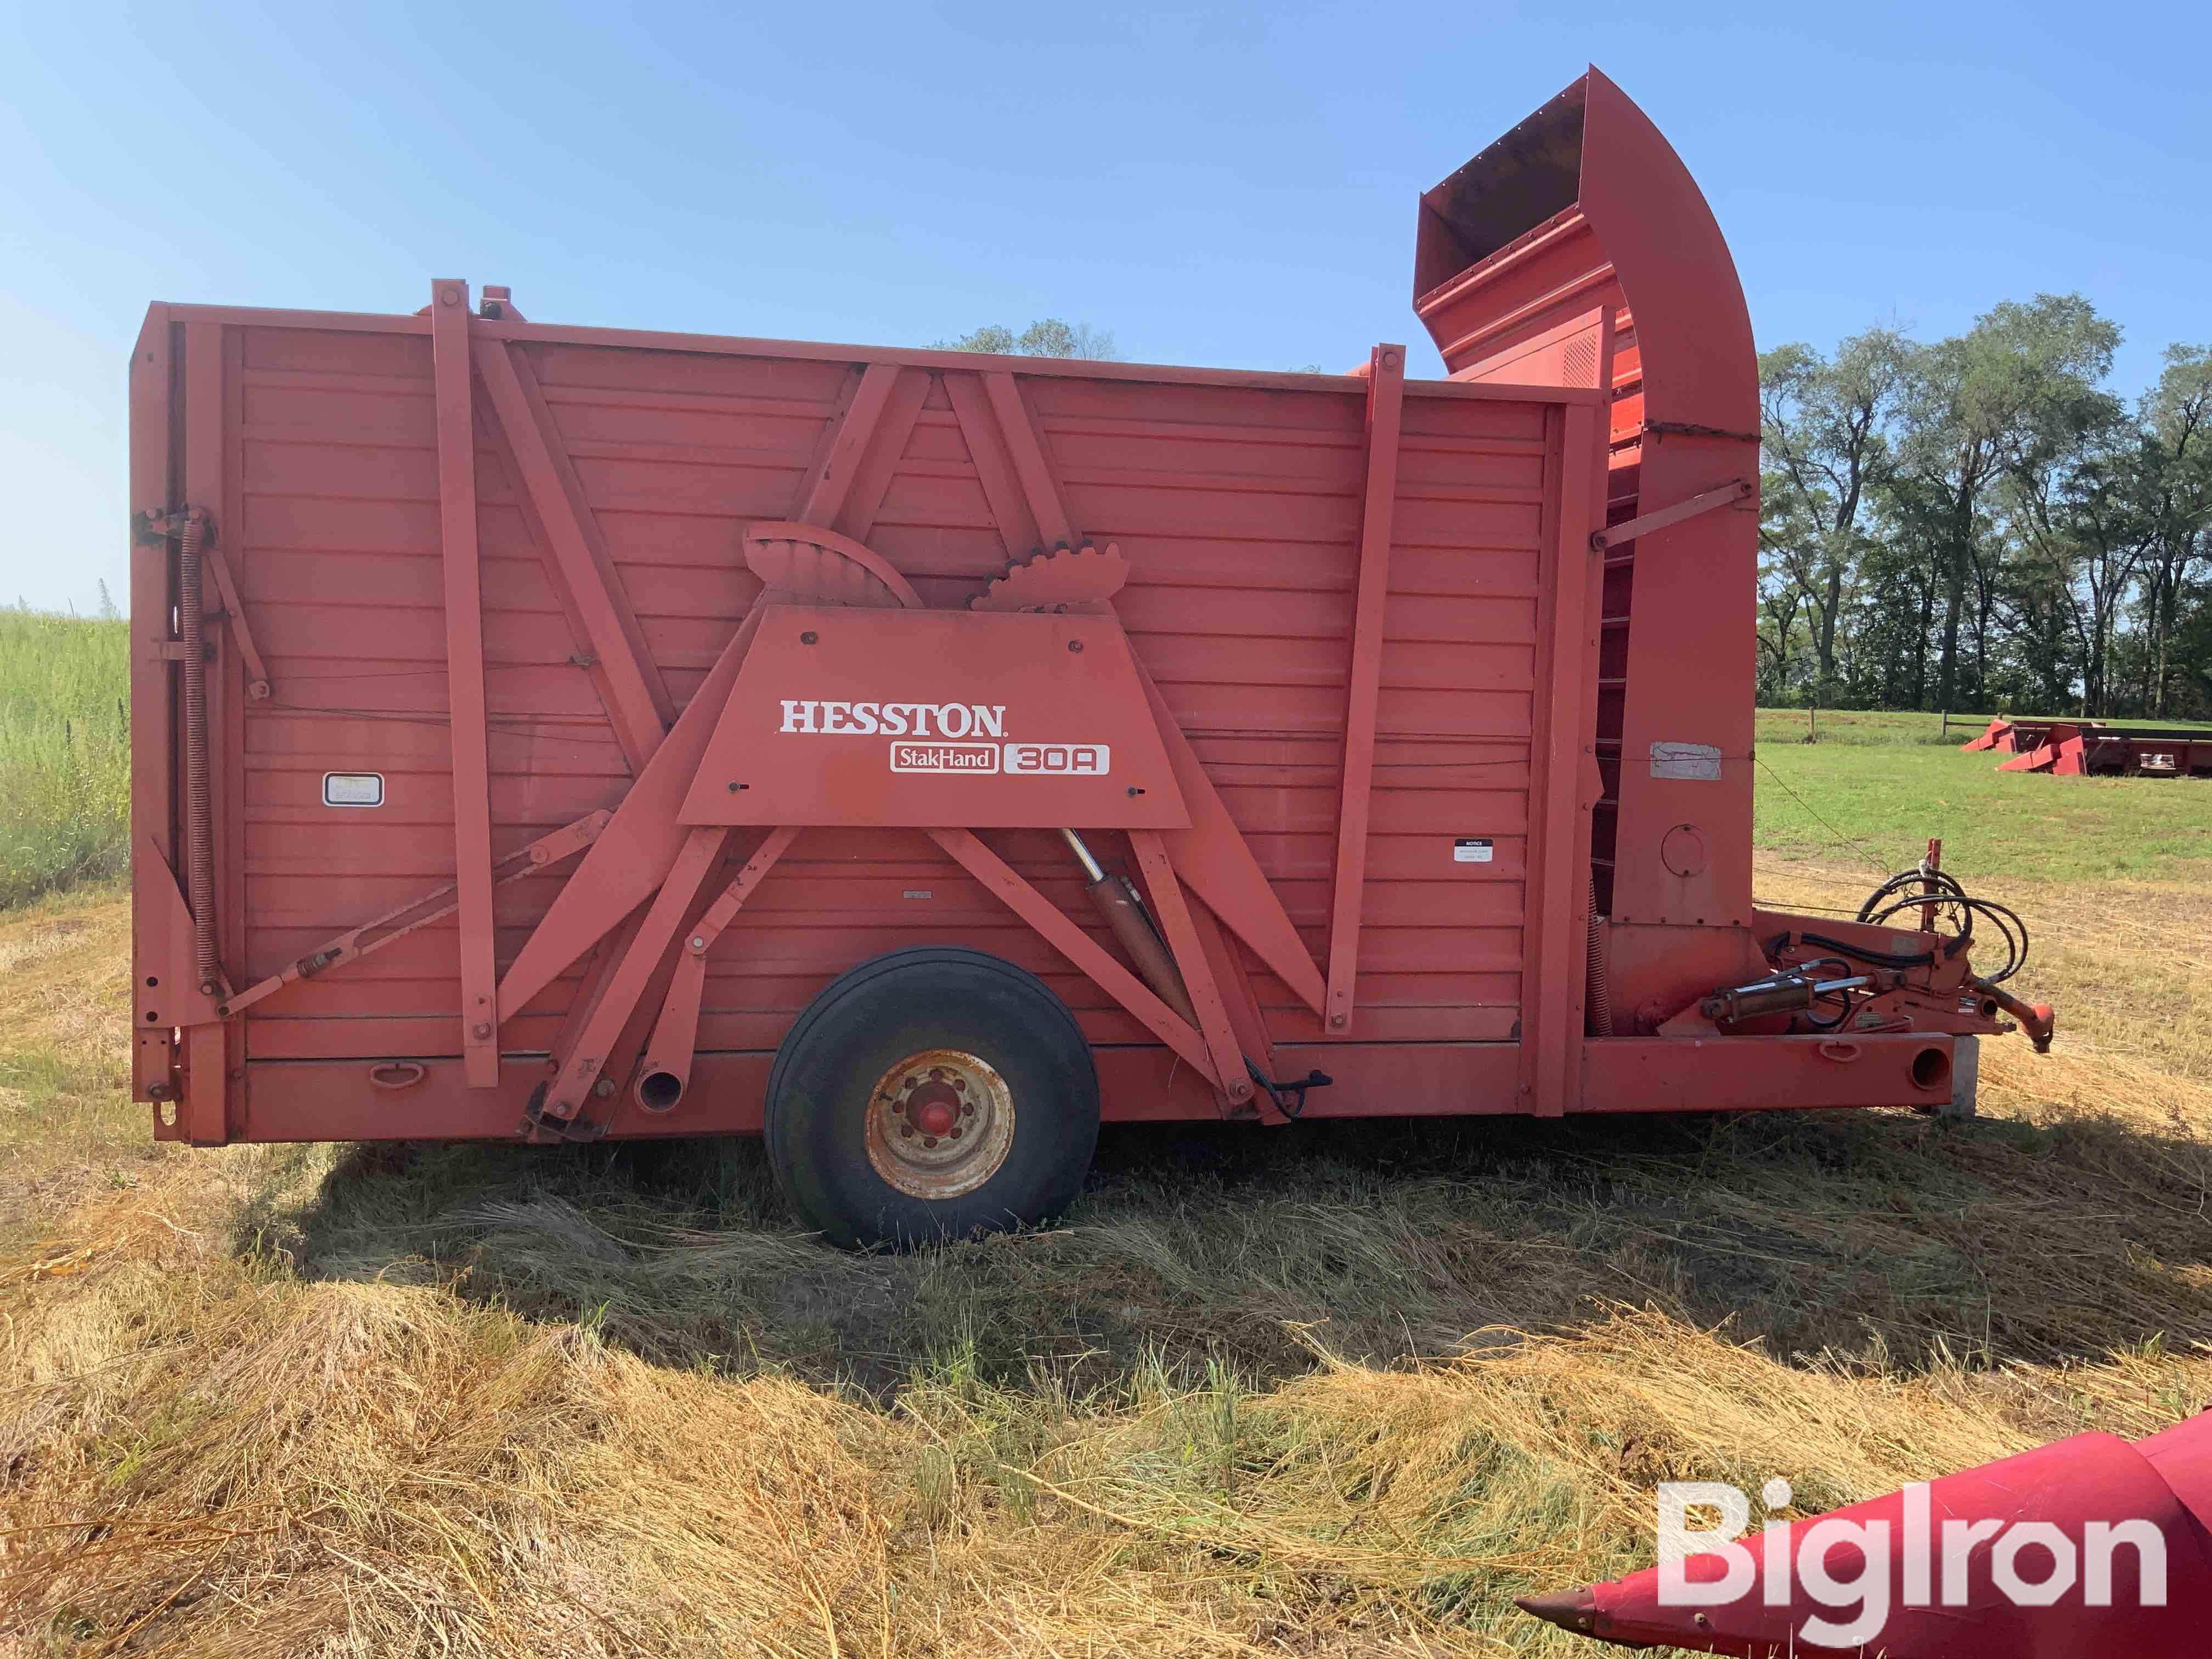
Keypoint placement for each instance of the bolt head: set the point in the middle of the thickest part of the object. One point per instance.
(1336, 1019)
(954, 1132)
(967, 1108)
(481, 1029)
(906, 1130)
(699, 942)
(929, 1140)
(604, 1087)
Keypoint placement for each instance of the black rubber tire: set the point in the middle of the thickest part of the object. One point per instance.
(930, 996)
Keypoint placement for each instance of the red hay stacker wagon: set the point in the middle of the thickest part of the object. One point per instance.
(563, 732)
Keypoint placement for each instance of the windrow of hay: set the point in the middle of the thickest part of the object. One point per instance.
(204, 1456)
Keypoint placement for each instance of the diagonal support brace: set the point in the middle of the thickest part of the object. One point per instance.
(1614, 535)
(674, 1043)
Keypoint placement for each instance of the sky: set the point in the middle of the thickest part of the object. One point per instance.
(1213, 185)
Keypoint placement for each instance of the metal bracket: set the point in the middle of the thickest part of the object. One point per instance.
(150, 527)
(1613, 535)
(1290, 1098)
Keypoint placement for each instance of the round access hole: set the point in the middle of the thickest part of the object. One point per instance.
(659, 1092)
(1931, 1069)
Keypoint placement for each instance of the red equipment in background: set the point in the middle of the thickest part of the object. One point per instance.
(1417, 714)
(2082, 748)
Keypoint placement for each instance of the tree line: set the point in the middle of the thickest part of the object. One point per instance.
(1983, 524)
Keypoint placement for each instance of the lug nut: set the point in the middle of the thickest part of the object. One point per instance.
(906, 1130)
(961, 1084)
(954, 1132)
(929, 1140)
(967, 1108)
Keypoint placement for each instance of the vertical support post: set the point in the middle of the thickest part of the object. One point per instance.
(1386, 391)
(153, 850)
(210, 1046)
(1555, 933)
(465, 678)
(1929, 865)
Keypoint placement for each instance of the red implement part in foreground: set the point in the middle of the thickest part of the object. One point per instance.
(1416, 714)
(2007, 1561)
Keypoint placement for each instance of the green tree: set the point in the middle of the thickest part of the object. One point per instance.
(1048, 337)
(1995, 400)
(1822, 432)
(2177, 423)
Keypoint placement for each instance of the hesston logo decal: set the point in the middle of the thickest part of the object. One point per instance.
(896, 720)
(820, 717)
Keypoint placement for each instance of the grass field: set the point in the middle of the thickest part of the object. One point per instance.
(1335, 1389)
(64, 753)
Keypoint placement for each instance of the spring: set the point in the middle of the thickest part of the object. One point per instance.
(1597, 985)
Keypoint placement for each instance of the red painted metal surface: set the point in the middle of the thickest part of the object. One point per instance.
(2117, 1559)
(1402, 669)
(2090, 748)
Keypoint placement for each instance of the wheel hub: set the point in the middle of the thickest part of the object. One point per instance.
(939, 1123)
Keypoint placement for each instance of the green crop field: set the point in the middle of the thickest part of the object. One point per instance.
(1875, 786)
(65, 752)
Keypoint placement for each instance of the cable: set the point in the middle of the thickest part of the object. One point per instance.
(1859, 847)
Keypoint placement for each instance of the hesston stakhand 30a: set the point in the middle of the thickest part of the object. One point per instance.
(563, 732)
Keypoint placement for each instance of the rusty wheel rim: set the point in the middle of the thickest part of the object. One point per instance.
(940, 1123)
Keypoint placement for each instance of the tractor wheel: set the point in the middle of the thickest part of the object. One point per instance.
(932, 1093)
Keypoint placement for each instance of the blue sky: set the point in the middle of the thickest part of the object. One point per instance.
(1214, 186)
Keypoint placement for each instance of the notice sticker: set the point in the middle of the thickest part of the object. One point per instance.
(1471, 849)
(353, 789)
(1699, 762)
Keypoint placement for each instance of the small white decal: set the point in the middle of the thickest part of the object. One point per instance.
(1699, 762)
(1089, 760)
(353, 789)
(1471, 849)
(945, 757)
